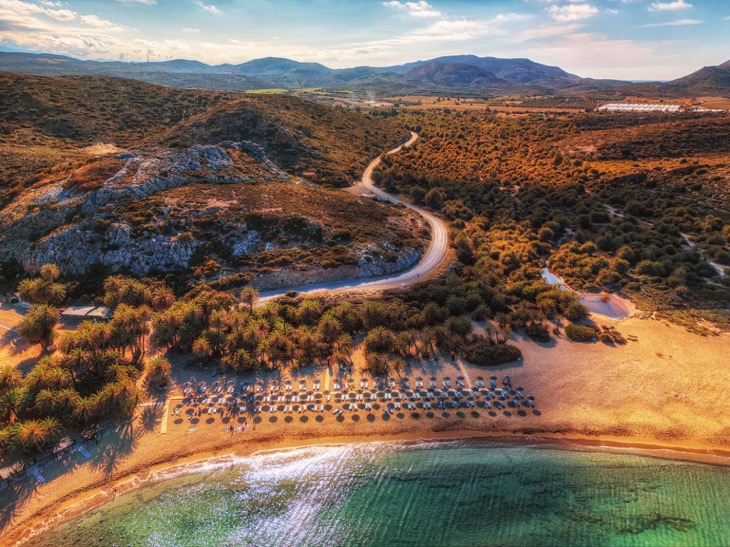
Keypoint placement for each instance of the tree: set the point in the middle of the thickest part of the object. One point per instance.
(162, 298)
(49, 272)
(249, 296)
(45, 401)
(417, 194)
(239, 360)
(330, 328)
(38, 326)
(13, 403)
(41, 291)
(33, 434)
(85, 410)
(435, 198)
(10, 378)
(309, 346)
(159, 368)
(309, 312)
(379, 340)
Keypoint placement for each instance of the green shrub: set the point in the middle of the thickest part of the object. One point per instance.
(538, 332)
(482, 353)
(580, 333)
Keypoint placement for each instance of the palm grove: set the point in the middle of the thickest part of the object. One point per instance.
(99, 369)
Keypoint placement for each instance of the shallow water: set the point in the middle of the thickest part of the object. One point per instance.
(455, 493)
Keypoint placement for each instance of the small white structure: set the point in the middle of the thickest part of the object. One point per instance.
(76, 314)
(640, 107)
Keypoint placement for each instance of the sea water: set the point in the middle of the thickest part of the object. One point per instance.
(450, 493)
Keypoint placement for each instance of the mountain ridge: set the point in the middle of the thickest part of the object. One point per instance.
(453, 73)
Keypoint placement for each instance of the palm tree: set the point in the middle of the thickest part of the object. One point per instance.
(277, 348)
(41, 291)
(380, 339)
(46, 401)
(35, 433)
(253, 333)
(84, 410)
(342, 350)
(249, 296)
(13, 403)
(38, 326)
(10, 377)
(202, 347)
(309, 345)
(162, 298)
(330, 328)
(187, 334)
(75, 362)
(239, 360)
(49, 272)
(57, 377)
(66, 400)
(159, 368)
(309, 312)
(53, 428)
(6, 438)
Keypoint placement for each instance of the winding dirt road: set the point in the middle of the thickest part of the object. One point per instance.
(433, 257)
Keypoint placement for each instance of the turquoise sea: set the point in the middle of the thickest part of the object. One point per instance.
(464, 493)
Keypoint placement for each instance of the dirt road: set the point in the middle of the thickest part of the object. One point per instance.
(433, 257)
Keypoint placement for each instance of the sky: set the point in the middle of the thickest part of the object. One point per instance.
(623, 39)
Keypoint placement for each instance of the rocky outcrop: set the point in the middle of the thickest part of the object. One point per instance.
(55, 221)
(366, 269)
(78, 248)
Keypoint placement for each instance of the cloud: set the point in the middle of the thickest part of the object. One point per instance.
(97, 22)
(61, 14)
(669, 6)
(677, 23)
(176, 45)
(416, 9)
(191, 29)
(79, 44)
(580, 50)
(210, 8)
(445, 30)
(143, 2)
(572, 12)
(541, 33)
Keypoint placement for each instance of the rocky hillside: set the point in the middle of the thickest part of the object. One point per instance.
(44, 115)
(208, 211)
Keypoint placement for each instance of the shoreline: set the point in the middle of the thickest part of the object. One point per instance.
(90, 497)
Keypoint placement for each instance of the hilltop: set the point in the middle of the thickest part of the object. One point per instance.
(42, 116)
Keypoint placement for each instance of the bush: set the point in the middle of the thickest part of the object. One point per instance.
(483, 354)
(580, 333)
(576, 312)
(538, 332)
(459, 325)
(481, 313)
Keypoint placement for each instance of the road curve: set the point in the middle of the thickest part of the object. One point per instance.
(429, 261)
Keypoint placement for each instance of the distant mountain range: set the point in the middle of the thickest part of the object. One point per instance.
(457, 74)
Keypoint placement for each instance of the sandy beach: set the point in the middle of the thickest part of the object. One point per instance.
(664, 393)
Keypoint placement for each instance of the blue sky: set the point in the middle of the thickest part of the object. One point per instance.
(627, 39)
